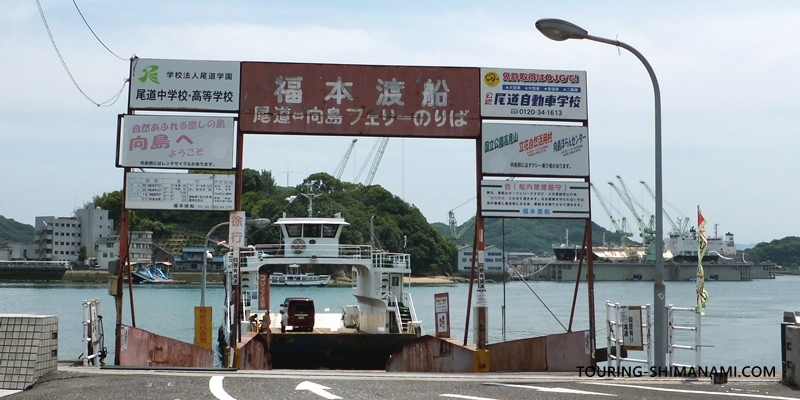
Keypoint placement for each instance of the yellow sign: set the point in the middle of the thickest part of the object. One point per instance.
(202, 327)
(491, 79)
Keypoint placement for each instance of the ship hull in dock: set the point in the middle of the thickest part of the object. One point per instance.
(637, 271)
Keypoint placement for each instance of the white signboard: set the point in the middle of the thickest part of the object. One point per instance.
(184, 85)
(533, 94)
(173, 191)
(186, 142)
(236, 231)
(235, 265)
(481, 298)
(534, 199)
(535, 150)
(631, 321)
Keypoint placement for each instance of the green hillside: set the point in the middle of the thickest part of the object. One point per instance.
(14, 232)
(785, 252)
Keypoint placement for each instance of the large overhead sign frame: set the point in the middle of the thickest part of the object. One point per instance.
(192, 85)
(177, 142)
(540, 150)
(359, 100)
(533, 94)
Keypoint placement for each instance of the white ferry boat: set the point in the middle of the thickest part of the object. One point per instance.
(361, 336)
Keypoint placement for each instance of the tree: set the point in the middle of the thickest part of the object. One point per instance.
(83, 255)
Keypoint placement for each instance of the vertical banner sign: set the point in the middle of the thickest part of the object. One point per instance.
(480, 292)
(631, 320)
(442, 310)
(236, 231)
(202, 327)
(234, 266)
(263, 290)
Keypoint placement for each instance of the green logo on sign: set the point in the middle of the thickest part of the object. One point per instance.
(151, 73)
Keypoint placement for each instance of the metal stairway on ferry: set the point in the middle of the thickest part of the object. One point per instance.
(405, 318)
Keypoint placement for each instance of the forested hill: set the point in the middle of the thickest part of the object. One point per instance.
(397, 224)
(785, 252)
(12, 231)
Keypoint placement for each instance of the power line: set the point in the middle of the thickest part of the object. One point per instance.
(106, 103)
(92, 30)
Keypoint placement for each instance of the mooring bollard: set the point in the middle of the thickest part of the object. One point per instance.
(719, 378)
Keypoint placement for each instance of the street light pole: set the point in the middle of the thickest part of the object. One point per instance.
(560, 30)
(258, 222)
(205, 264)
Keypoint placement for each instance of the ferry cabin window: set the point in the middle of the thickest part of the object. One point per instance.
(294, 230)
(329, 230)
(312, 231)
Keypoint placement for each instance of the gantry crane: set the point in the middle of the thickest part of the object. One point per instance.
(679, 225)
(622, 229)
(647, 232)
(343, 163)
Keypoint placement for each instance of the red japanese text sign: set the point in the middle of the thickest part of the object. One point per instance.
(326, 99)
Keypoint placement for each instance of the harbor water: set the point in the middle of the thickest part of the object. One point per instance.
(741, 326)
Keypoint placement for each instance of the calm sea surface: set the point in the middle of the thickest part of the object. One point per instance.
(741, 326)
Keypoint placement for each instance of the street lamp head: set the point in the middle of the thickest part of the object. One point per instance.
(560, 30)
(258, 222)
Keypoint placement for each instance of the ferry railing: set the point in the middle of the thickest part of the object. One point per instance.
(409, 302)
(391, 260)
(264, 251)
(397, 318)
(672, 328)
(615, 336)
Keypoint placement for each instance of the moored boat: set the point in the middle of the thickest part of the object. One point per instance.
(293, 277)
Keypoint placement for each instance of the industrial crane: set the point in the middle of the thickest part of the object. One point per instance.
(377, 161)
(647, 232)
(451, 219)
(623, 230)
(679, 225)
(343, 163)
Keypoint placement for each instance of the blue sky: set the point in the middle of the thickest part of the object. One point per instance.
(727, 71)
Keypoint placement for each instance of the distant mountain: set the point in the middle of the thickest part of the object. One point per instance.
(14, 232)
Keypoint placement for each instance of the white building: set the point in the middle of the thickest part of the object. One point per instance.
(94, 224)
(141, 247)
(492, 264)
(57, 238)
(61, 239)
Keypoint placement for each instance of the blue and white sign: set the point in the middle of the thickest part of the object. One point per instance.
(533, 94)
(535, 150)
(534, 199)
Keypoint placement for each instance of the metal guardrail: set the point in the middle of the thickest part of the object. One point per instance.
(672, 328)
